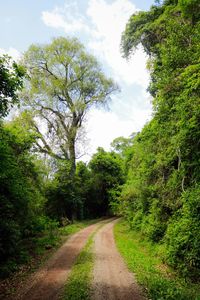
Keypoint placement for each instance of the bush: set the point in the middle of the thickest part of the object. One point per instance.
(154, 225)
(183, 236)
(20, 198)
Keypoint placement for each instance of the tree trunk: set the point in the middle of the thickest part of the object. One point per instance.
(72, 157)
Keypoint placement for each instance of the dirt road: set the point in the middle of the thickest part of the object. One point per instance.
(47, 283)
(112, 279)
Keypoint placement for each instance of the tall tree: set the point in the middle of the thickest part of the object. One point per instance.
(64, 83)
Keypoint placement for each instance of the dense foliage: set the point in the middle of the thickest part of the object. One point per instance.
(107, 177)
(11, 76)
(161, 196)
(90, 192)
(20, 196)
(20, 181)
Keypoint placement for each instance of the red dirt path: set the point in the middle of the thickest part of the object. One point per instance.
(112, 279)
(47, 283)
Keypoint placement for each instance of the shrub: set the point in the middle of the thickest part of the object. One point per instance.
(183, 236)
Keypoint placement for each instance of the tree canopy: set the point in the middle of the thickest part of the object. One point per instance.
(11, 75)
(64, 83)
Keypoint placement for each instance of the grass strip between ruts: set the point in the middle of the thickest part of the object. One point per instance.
(78, 285)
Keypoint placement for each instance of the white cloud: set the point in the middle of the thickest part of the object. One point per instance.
(104, 126)
(53, 19)
(14, 53)
(104, 25)
(110, 21)
(66, 18)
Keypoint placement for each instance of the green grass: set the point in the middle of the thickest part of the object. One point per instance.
(145, 260)
(78, 283)
(76, 226)
(54, 238)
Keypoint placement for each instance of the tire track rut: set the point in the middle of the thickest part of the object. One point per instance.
(47, 283)
(111, 278)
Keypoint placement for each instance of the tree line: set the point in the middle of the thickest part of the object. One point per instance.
(161, 197)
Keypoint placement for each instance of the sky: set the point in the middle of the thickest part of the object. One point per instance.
(98, 24)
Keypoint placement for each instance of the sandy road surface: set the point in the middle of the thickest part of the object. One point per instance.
(47, 283)
(112, 279)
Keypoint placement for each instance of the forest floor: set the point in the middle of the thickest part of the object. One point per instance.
(111, 278)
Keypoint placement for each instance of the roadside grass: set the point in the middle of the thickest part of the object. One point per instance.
(54, 237)
(144, 259)
(41, 249)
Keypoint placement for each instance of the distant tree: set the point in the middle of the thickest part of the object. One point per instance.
(107, 176)
(11, 76)
(84, 185)
(124, 147)
(61, 193)
(64, 83)
(121, 143)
